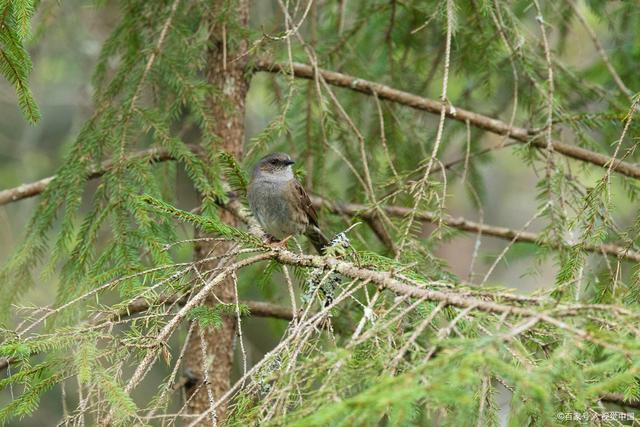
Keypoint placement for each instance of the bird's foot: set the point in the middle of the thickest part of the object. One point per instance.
(269, 240)
(278, 244)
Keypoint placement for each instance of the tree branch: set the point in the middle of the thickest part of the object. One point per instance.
(392, 281)
(152, 155)
(140, 305)
(460, 223)
(256, 308)
(421, 291)
(432, 106)
(619, 399)
(352, 209)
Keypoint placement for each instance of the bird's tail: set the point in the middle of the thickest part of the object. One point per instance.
(317, 239)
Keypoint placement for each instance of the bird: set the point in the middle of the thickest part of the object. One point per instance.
(280, 203)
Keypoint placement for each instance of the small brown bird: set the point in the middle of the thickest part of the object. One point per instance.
(280, 204)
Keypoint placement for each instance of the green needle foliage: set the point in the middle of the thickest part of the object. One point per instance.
(15, 63)
(380, 331)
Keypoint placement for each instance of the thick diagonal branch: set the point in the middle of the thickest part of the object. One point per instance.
(498, 127)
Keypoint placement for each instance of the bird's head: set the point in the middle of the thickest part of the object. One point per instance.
(276, 164)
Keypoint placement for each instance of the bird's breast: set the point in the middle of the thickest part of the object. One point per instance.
(274, 206)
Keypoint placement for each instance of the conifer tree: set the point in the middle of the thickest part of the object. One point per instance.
(399, 113)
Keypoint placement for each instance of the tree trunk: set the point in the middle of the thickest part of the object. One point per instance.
(226, 72)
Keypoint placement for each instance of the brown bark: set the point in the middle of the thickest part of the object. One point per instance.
(619, 399)
(226, 63)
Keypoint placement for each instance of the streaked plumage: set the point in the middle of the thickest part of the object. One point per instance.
(280, 203)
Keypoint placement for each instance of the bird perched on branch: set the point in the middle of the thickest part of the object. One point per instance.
(280, 203)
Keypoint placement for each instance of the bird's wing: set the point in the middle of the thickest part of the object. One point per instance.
(305, 203)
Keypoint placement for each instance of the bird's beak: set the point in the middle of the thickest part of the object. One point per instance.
(289, 162)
